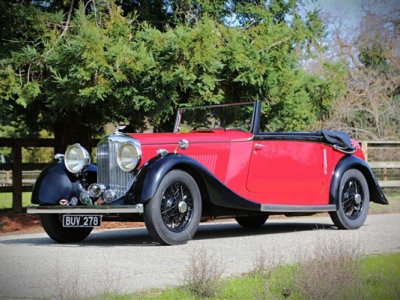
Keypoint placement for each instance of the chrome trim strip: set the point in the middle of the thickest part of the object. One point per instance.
(120, 209)
(297, 208)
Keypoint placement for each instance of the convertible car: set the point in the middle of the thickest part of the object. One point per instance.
(216, 163)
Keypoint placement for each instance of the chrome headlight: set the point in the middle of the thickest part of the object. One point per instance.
(76, 158)
(129, 155)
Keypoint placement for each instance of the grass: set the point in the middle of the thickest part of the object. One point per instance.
(203, 272)
(331, 268)
(383, 276)
(6, 200)
(373, 277)
(393, 207)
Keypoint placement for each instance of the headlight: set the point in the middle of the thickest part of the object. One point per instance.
(129, 155)
(76, 158)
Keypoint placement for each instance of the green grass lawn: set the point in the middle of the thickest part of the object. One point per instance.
(377, 277)
(393, 207)
(6, 200)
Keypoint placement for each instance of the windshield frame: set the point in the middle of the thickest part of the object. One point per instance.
(254, 123)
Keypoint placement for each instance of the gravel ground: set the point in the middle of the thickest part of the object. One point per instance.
(127, 260)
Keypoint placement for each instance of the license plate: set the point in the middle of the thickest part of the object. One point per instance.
(81, 221)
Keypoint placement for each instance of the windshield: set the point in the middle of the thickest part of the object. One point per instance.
(223, 116)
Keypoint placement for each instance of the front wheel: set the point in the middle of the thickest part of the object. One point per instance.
(353, 202)
(173, 215)
(53, 226)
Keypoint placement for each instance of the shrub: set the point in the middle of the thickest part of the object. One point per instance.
(203, 272)
(332, 272)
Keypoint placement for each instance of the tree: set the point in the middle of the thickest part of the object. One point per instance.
(92, 63)
(370, 107)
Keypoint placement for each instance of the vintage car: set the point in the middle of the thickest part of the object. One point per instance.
(216, 163)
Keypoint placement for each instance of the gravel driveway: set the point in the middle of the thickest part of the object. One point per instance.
(127, 260)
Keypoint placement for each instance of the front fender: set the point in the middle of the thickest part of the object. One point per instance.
(354, 162)
(151, 174)
(56, 182)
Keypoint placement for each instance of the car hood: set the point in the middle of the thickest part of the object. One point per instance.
(200, 136)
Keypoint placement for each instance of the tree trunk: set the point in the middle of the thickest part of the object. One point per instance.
(70, 130)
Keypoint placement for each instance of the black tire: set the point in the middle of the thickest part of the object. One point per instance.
(173, 215)
(251, 221)
(353, 202)
(53, 227)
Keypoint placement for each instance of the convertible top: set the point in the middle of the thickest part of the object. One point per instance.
(339, 140)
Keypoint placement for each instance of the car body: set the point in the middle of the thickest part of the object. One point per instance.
(216, 163)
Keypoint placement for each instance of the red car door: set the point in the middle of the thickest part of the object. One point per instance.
(288, 171)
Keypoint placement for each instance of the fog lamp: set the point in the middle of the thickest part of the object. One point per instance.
(109, 196)
(96, 189)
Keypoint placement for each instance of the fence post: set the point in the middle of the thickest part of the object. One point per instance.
(17, 176)
(364, 147)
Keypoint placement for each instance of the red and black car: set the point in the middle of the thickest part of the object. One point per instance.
(216, 163)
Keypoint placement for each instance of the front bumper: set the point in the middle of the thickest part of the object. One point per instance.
(118, 209)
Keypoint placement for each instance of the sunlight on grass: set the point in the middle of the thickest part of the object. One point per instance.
(6, 200)
(393, 207)
(379, 280)
(382, 276)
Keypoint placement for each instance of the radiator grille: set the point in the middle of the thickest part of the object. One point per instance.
(108, 172)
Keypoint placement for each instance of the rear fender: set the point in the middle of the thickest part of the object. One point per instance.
(354, 162)
(56, 182)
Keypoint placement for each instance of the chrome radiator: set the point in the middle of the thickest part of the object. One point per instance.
(108, 171)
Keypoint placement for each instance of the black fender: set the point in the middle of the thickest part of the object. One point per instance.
(56, 182)
(212, 188)
(354, 162)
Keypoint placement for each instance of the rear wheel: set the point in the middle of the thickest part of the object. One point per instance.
(173, 215)
(353, 202)
(251, 221)
(53, 226)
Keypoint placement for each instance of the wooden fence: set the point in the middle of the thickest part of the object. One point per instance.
(17, 177)
(17, 167)
(368, 146)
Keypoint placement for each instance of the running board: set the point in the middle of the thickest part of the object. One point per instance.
(108, 209)
(297, 208)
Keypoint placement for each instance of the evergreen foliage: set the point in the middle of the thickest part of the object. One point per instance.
(72, 67)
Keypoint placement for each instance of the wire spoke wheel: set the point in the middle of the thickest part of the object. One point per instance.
(352, 198)
(173, 214)
(353, 201)
(177, 207)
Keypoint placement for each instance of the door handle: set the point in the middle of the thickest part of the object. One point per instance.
(259, 146)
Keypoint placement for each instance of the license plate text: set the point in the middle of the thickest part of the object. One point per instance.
(81, 221)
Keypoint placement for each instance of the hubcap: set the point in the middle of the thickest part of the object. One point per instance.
(182, 207)
(357, 198)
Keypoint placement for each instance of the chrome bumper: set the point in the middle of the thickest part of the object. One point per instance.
(120, 209)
